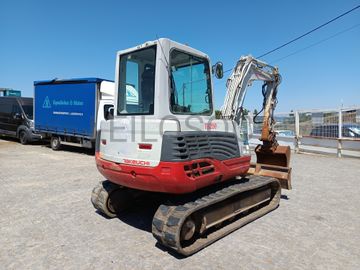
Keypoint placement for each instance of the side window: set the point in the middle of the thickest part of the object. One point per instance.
(2, 104)
(16, 108)
(6, 106)
(137, 82)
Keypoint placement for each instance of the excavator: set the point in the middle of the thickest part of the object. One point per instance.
(164, 139)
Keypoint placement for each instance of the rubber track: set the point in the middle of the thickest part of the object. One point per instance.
(168, 219)
(100, 195)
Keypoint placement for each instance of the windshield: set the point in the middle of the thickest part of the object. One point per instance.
(28, 110)
(190, 84)
(137, 82)
(356, 130)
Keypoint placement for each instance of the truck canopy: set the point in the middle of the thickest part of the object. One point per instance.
(67, 107)
(72, 80)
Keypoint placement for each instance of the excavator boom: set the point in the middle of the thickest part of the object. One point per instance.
(272, 159)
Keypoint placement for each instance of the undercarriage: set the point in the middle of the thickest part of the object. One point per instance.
(191, 222)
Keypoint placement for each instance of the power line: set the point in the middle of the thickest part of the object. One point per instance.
(309, 32)
(307, 47)
(315, 44)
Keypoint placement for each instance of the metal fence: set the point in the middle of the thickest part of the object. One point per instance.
(284, 124)
(330, 131)
(327, 124)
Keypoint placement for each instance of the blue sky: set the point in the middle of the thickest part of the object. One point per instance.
(43, 39)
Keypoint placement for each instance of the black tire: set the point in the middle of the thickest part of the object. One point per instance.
(55, 143)
(23, 137)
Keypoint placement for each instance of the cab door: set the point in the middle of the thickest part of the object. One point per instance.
(17, 117)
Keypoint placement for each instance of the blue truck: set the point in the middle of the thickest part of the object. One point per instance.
(69, 112)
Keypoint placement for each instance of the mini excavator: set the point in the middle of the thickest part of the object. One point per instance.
(164, 138)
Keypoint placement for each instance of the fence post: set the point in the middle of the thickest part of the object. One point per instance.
(339, 149)
(251, 123)
(297, 131)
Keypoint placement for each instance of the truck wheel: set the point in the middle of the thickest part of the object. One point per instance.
(55, 143)
(23, 137)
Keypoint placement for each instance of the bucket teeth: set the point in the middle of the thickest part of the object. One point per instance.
(283, 174)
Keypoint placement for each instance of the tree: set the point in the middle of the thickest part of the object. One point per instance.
(217, 114)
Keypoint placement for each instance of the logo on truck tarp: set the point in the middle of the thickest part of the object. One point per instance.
(46, 104)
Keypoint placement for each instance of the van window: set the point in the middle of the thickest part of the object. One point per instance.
(28, 110)
(6, 106)
(16, 108)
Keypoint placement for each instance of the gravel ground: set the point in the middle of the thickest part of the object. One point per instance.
(48, 222)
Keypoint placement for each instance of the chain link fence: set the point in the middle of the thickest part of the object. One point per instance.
(284, 124)
(319, 124)
(327, 124)
(351, 124)
(327, 131)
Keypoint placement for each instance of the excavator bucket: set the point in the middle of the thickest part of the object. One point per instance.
(273, 164)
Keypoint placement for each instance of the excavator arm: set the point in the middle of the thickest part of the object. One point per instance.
(272, 159)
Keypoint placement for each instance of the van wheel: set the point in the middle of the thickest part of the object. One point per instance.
(23, 137)
(55, 143)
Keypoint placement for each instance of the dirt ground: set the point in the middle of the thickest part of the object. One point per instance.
(48, 222)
